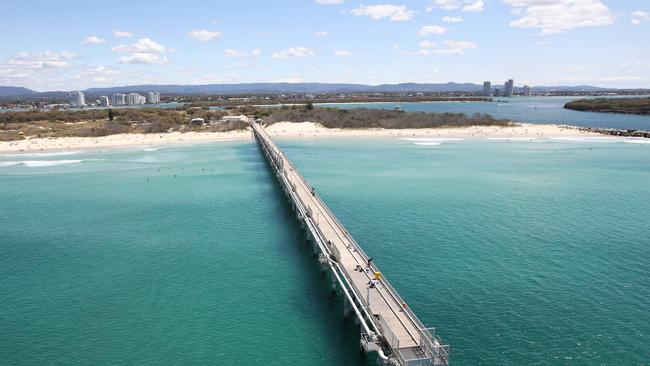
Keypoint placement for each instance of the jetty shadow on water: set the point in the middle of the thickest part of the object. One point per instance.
(317, 300)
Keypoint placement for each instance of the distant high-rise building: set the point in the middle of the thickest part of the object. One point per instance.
(497, 92)
(103, 101)
(135, 99)
(77, 99)
(487, 88)
(508, 88)
(118, 99)
(527, 91)
(153, 97)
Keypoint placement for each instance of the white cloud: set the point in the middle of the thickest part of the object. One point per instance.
(428, 44)
(145, 51)
(343, 53)
(143, 58)
(122, 34)
(238, 65)
(100, 74)
(444, 48)
(144, 45)
(444, 4)
(543, 43)
(204, 35)
(639, 17)
(396, 13)
(558, 16)
(321, 34)
(636, 64)
(93, 40)
(431, 29)
(474, 6)
(64, 71)
(294, 52)
(420, 52)
(462, 45)
(237, 53)
(46, 70)
(448, 19)
(46, 60)
(328, 2)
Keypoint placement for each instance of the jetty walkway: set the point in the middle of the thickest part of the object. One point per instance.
(388, 326)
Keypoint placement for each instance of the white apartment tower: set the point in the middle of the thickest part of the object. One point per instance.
(527, 91)
(104, 101)
(118, 99)
(153, 97)
(77, 99)
(135, 99)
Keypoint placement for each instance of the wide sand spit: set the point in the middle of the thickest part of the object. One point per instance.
(288, 130)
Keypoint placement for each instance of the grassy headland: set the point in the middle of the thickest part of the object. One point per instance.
(612, 105)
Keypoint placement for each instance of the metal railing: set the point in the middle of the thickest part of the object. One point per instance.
(431, 344)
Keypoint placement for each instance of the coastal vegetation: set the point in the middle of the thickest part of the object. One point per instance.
(96, 122)
(612, 105)
(104, 122)
(380, 118)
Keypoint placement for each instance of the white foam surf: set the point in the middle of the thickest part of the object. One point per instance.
(591, 139)
(513, 138)
(431, 139)
(43, 155)
(38, 163)
(637, 141)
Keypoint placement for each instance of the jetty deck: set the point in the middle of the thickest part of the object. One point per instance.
(389, 327)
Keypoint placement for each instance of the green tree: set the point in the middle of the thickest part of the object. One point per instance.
(110, 114)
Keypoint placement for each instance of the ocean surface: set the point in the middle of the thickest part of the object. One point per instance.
(521, 109)
(518, 252)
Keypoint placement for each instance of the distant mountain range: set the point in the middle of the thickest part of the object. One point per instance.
(18, 92)
(15, 91)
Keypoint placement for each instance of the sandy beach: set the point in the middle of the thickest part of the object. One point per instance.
(283, 130)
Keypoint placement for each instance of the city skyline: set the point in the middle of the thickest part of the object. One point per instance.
(332, 41)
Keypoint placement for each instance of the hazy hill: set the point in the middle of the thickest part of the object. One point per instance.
(14, 91)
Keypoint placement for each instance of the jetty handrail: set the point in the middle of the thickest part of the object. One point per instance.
(422, 330)
(391, 290)
(321, 235)
(331, 248)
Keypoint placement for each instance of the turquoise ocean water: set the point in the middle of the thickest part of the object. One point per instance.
(519, 252)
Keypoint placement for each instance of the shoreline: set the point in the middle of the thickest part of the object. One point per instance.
(287, 130)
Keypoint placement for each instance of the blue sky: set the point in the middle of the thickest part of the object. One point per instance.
(48, 45)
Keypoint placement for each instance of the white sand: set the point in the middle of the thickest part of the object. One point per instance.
(283, 129)
(314, 130)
